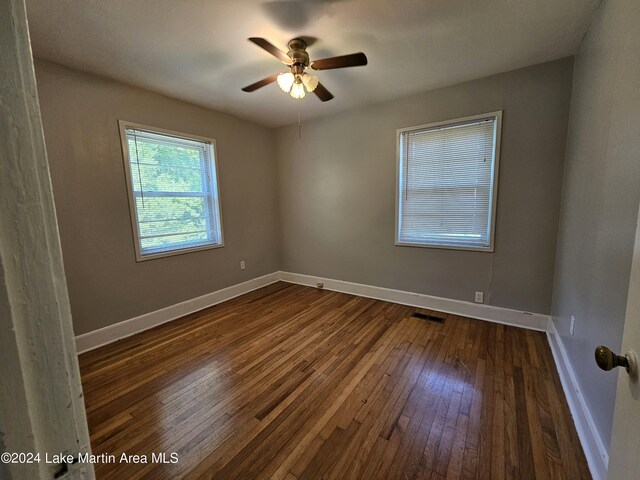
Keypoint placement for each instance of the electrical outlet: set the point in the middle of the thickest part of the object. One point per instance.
(572, 325)
(479, 297)
(320, 285)
(242, 265)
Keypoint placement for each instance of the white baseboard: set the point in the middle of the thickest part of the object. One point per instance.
(594, 449)
(506, 316)
(103, 336)
(126, 328)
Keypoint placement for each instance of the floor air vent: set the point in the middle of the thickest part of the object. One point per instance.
(429, 318)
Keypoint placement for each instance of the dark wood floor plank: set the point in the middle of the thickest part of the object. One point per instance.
(294, 383)
(384, 410)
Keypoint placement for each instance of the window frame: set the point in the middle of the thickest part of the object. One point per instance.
(497, 115)
(215, 197)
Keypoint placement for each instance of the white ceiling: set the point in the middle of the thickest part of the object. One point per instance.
(197, 50)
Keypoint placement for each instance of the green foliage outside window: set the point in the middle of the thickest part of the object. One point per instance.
(170, 193)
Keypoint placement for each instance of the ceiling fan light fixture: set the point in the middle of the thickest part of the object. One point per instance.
(310, 82)
(297, 91)
(297, 82)
(285, 81)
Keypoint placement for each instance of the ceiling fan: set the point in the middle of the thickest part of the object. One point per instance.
(297, 79)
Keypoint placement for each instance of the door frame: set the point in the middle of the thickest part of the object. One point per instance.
(41, 402)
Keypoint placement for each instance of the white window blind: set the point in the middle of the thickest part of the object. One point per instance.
(446, 181)
(173, 190)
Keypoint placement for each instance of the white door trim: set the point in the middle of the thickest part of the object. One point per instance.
(41, 402)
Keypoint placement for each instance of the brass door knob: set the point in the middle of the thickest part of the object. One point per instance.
(607, 360)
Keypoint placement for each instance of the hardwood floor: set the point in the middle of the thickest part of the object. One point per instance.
(290, 382)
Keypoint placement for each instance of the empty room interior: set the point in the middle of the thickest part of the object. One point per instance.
(320, 239)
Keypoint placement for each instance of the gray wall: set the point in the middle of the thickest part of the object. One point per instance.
(106, 285)
(337, 192)
(600, 200)
(331, 210)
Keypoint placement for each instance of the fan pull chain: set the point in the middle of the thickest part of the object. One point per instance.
(135, 139)
(299, 123)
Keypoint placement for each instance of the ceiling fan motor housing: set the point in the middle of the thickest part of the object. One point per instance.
(297, 53)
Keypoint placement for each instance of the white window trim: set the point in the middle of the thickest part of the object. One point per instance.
(494, 197)
(123, 125)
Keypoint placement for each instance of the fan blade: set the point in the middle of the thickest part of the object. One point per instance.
(322, 93)
(262, 43)
(261, 83)
(353, 60)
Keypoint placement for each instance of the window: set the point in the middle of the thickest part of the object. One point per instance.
(173, 191)
(447, 183)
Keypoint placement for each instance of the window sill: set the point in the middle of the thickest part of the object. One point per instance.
(152, 256)
(489, 249)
